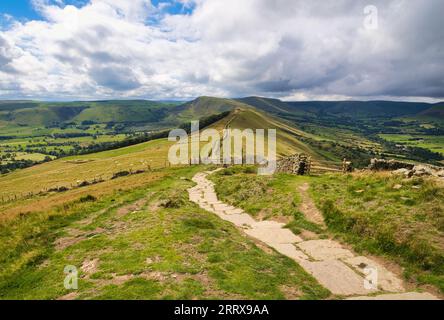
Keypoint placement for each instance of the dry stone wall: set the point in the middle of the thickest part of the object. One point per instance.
(299, 164)
(385, 165)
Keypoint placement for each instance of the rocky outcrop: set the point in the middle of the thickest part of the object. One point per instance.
(406, 169)
(421, 170)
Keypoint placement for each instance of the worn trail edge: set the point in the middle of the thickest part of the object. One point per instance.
(333, 266)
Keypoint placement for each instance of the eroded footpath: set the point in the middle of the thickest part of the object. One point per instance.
(336, 268)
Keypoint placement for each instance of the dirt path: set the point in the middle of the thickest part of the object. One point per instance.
(335, 267)
(308, 208)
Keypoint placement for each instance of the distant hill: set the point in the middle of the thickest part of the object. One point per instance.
(202, 107)
(436, 110)
(353, 109)
(35, 113)
(270, 105)
(49, 113)
(364, 109)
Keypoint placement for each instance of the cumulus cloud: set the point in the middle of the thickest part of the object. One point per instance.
(292, 49)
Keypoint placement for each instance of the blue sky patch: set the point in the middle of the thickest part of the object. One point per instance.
(19, 9)
(24, 10)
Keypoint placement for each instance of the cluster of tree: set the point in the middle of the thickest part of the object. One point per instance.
(414, 153)
(77, 149)
(88, 122)
(132, 140)
(433, 131)
(70, 135)
(19, 164)
(8, 155)
(6, 137)
(206, 121)
(360, 157)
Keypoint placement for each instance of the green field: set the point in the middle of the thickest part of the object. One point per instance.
(432, 143)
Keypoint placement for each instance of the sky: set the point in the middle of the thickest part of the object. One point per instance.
(182, 49)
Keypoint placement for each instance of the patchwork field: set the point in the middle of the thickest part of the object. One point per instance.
(71, 171)
(432, 143)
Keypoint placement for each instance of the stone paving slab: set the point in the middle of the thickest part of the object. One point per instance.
(290, 251)
(399, 296)
(234, 211)
(329, 270)
(325, 250)
(387, 281)
(212, 202)
(336, 277)
(208, 208)
(268, 224)
(221, 207)
(271, 236)
(211, 198)
(239, 219)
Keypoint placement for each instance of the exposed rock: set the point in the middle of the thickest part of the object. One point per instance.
(403, 171)
(422, 170)
(347, 166)
(406, 169)
(397, 186)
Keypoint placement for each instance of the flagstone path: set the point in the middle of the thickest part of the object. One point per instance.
(336, 268)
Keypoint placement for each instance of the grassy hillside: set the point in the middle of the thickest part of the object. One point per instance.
(202, 107)
(271, 105)
(71, 171)
(9, 105)
(353, 109)
(381, 214)
(287, 136)
(141, 239)
(45, 113)
(386, 214)
(435, 111)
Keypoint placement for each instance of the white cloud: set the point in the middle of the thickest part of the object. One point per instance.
(283, 48)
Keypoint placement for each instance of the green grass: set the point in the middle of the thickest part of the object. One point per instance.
(300, 223)
(405, 224)
(432, 143)
(365, 210)
(31, 156)
(264, 197)
(259, 195)
(154, 251)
